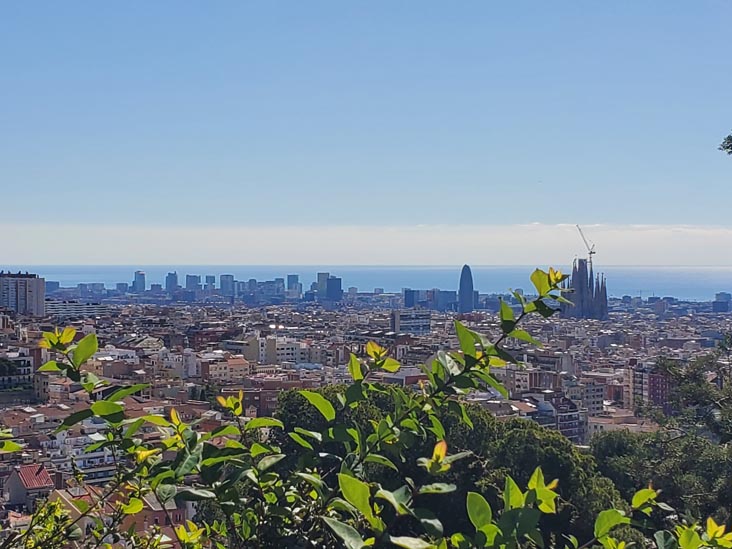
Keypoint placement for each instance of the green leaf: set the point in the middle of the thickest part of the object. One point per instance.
(466, 338)
(540, 279)
(85, 349)
(381, 460)
(374, 350)
(429, 522)
(479, 511)
(391, 365)
(523, 335)
(268, 461)
(194, 494)
(386, 495)
(665, 540)
(641, 497)
(259, 422)
(607, 520)
(546, 498)
(513, 497)
(81, 505)
(506, 312)
(690, 539)
(437, 488)
(354, 368)
(321, 403)
(10, 446)
(492, 382)
(437, 427)
(452, 365)
(104, 408)
(50, 366)
(123, 392)
(315, 482)
(300, 440)
(133, 507)
(411, 543)
(76, 417)
(90, 381)
(357, 493)
(67, 336)
(225, 431)
(351, 538)
(537, 479)
(189, 463)
(166, 491)
(157, 420)
(508, 320)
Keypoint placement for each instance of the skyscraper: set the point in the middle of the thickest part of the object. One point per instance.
(466, 295)
(226, 284)
(334, 289)
(292, 281)
(322, 282)
(138, 284)
(193, 282)
(210, 282)
(171, 282)
(23, 293)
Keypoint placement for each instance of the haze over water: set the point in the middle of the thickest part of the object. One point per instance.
(691, 283)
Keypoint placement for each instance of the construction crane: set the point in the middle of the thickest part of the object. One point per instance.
(590, 246)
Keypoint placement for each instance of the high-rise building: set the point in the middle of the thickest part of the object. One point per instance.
(171, 282)
(23, 293)
(210, 282)
(123, 287)
(334, 289)
(466, 294)
(193, 282)
(52, 286)
(292, 281)
(410, 298)
(138, 284)
(322, 282)
(226, 284)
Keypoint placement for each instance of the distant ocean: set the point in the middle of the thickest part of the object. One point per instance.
(691, 283)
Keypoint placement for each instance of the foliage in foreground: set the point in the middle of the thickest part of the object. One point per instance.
(726, 145)
(329, 493)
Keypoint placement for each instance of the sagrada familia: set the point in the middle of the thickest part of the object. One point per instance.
(589, 293)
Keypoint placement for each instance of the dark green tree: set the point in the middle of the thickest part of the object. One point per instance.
(726, 145)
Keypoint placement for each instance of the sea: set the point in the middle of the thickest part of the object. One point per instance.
(683, 282)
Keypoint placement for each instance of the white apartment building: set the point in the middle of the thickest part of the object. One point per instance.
(23, 293)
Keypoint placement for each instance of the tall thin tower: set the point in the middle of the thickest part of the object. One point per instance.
(466, 295)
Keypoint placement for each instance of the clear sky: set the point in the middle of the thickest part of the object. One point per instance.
(230, 118)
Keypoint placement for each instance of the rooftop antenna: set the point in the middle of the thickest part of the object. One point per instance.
(590, 245)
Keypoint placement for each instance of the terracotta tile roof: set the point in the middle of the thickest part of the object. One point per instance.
(34, 476)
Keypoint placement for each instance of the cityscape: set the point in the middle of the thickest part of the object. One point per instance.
(354, 275)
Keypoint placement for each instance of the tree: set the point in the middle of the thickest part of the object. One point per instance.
(726, 145)
(692, 473)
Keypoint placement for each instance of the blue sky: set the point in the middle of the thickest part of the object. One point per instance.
(206, 114)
